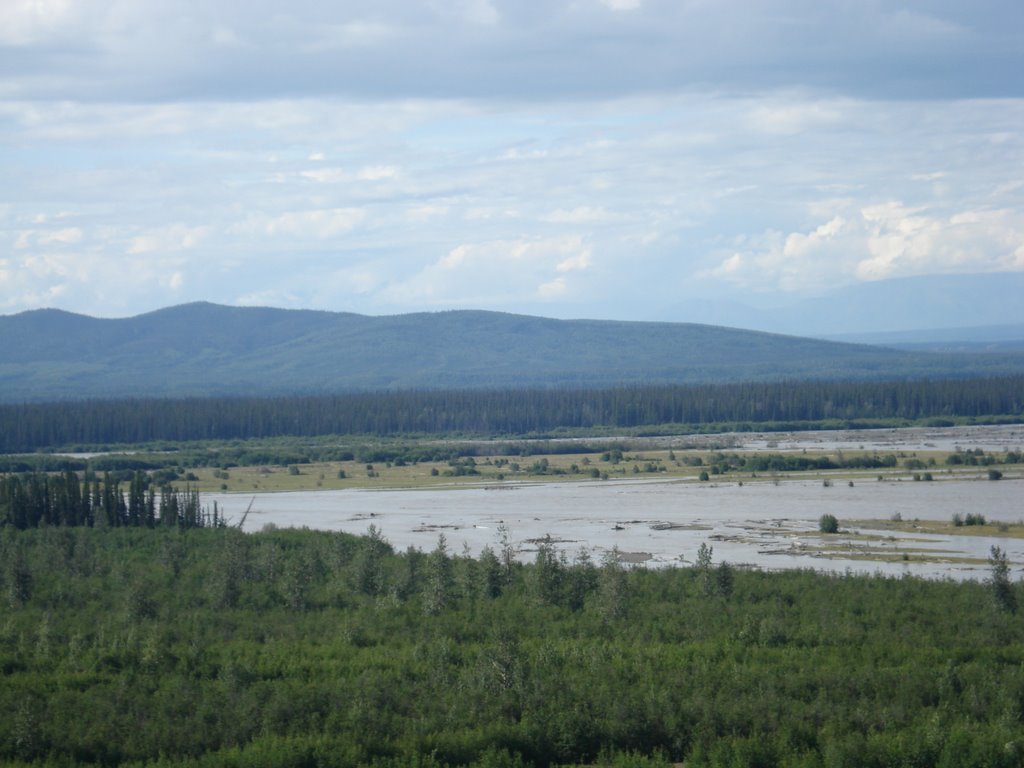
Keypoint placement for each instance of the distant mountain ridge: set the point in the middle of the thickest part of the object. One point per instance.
(988, 338)
(904, 304)
(204, 349)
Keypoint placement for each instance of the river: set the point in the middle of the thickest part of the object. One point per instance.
(763, 524)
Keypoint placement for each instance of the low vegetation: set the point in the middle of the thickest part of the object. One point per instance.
(828, 524)
(293, 464)
(973, 524)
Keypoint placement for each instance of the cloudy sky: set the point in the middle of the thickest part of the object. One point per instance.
(568, 158)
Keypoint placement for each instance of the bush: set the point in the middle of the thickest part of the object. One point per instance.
(828, 524)
(995, 474)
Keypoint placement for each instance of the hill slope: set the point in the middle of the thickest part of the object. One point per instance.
(205, 349)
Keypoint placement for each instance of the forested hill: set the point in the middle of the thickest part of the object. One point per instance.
(204, 349)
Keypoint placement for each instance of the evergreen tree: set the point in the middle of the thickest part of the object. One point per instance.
(438, 581)
(1002, 588)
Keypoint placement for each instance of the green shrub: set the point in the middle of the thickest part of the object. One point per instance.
(828, 524)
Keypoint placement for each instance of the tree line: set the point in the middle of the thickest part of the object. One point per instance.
(781, 405)
(64, 499)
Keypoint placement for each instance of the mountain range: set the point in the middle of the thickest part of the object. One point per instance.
(910, 306)
(206, 349)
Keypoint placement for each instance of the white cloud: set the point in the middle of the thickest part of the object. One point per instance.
(579, 261)
(84, 279)
(579, 215)
(25, 22)
(421, 213)
(730, 266)
(454, 257)
(351, 35)
(324, 175)
(31, 238)
(46, 265)
(377, 173)
(484, 213)
(904, 241)
(66, 236)
(222, 51)
(225, 37)
(553, 289)
(482, 12)
(878, 241)
(472, 12)
(339, 195)
(268, 298)
(799, 245)
(515, 153)
(318, 223)
(905, 26)
(478, 274)
(794, 117)
(621, 5)
(177, 237)
(358, 280)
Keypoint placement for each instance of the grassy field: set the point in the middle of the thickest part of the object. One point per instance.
(671, 464)
(943, 528)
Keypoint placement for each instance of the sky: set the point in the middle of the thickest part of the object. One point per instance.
(618, 159)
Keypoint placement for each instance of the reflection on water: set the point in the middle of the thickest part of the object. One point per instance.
(660, 523)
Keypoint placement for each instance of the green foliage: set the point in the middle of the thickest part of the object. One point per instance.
(828, 523)
(724, 579)
(38, 500)
(703, 567)
(1002, 589)
(972, 518)
(209, 647)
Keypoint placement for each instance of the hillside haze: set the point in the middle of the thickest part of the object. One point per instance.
(205, 349)
(919, 304)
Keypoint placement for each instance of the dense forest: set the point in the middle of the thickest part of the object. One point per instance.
(780, 405)
(40, 500)
(210, 647)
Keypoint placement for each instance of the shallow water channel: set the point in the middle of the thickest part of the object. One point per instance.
(770, 525)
